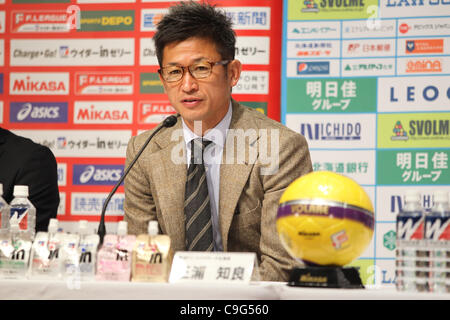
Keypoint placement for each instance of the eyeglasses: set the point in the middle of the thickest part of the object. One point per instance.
(198, 70)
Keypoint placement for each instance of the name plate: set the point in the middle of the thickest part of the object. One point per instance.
(227, 267)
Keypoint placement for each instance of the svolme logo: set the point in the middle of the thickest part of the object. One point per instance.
(400, 133)
(422, 129)
(330, 5)
(39, 83)
(316, 67)
(53, 112)
(310, 6)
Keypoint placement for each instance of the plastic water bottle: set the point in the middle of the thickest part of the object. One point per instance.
(4, 211)
(437, 235)
(411, 255)
(87, 250)
(23, 210)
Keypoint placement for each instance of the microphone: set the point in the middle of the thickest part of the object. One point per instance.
(167, 123)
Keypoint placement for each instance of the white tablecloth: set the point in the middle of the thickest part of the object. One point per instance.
(102, 290)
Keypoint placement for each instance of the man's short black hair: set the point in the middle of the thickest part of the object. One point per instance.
(191, 19)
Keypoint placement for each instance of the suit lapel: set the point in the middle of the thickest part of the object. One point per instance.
(233, 177)
(169, 179)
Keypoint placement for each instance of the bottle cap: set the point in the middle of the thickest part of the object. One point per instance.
(153, 229)
(122, 228)
(440, 196)
(83, 227)
(53, 225)
(412, 196)
(20, 191)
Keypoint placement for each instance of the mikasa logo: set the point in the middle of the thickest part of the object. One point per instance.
(30, 85)
(103, 112)
(39, 83)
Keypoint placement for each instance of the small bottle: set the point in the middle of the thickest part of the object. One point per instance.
(114, 257)
(152, 256)
(87, 251)
(45, 253)
(23, 210)
(125, 243)
(4, 211)
(15, 253)
(411, 255)
(437, 235)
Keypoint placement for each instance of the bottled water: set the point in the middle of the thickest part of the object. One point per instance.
(45, 256)
(23, 210)
(114, 257)
(411, 255)
(14, 253)
(4, 211)
(87, 251)
(437, 235)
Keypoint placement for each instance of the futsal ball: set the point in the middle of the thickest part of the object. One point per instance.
(325, 219)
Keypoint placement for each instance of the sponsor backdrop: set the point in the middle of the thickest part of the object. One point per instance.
(80, 76)
(368, 84)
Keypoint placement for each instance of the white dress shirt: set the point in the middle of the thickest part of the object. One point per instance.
(212, 158)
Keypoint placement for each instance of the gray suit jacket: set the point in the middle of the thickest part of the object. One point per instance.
(248, 200)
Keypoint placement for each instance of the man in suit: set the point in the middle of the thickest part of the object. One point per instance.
(250, 162)
(23, 162)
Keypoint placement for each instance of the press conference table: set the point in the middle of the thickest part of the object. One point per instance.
(103, 290)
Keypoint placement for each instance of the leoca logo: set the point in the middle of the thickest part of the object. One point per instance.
(97, 174)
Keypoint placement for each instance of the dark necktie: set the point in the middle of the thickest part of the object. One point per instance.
(199, 233)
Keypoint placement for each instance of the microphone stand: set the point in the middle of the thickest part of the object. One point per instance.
(168, 122)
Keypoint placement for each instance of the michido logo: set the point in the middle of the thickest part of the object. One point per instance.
(97, 174)
(331, 131)
(38, 112)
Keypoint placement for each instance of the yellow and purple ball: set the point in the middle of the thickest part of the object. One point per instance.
(325, 218)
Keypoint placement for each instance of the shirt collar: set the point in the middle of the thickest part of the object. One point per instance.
(216, 134)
